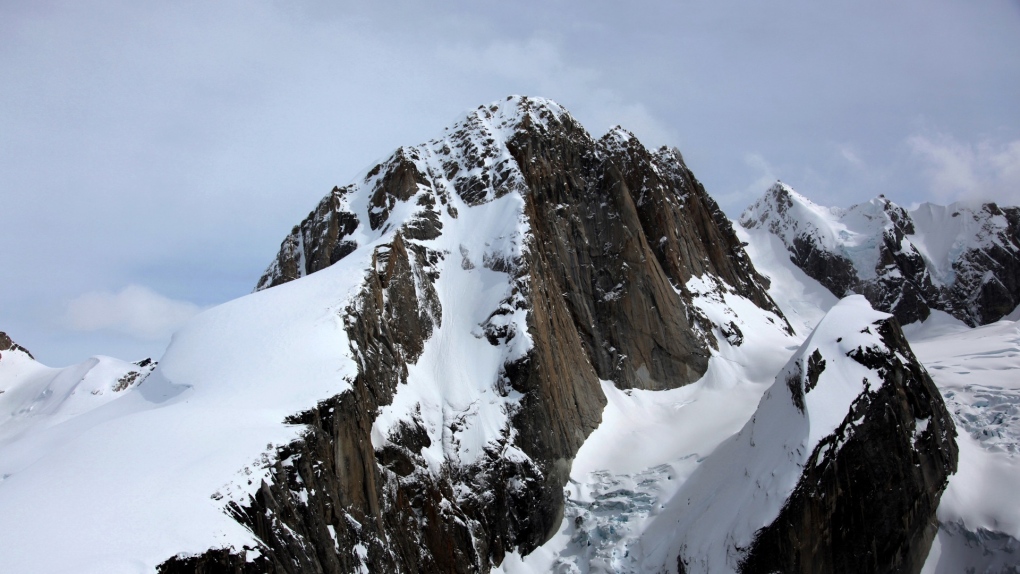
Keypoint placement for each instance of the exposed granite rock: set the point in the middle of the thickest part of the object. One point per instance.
(216, 561)
(866, 500)
(319, 241)
(987, 286)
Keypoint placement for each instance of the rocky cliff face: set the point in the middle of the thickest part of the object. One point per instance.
(962, 259)
(603, 238)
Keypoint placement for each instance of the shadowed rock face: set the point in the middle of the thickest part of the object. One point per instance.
(866, 500)
(614, 234)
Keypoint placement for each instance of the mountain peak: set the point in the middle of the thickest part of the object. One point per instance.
(415, 377)
(961, 259)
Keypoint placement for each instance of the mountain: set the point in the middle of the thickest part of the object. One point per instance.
(513, 348)
(973, 368)
(583, 250)
(963, 259)
(6, 344)
(34, 397)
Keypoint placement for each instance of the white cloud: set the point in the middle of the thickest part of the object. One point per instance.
(849, 153)
(767, 175)
(764, 176)
(546, 67)
(959, 170)
(135, 311)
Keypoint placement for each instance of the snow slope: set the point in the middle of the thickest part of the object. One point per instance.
(657, 448)
(802, 299)
(163, 452)
(855, 232)
(978, 372)
(91, 457)
(962, 258)
(941, 234)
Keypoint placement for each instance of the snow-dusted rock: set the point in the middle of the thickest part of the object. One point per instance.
(7, 344)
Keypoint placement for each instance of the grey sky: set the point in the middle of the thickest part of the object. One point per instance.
(153, 155)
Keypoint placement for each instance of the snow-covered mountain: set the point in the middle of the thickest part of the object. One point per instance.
(963, 259)
(517, 263)
(513, 348)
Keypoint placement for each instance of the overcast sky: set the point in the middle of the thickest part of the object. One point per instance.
(154, 154)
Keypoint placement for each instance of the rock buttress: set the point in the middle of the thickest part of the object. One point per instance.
(867, 498)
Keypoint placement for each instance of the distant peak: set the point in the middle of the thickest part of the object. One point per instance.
(777, 199)
(618, 139)
(780, 189)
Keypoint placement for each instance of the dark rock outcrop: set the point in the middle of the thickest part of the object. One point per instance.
(319, 241)
(866, 499)
(6, 344)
